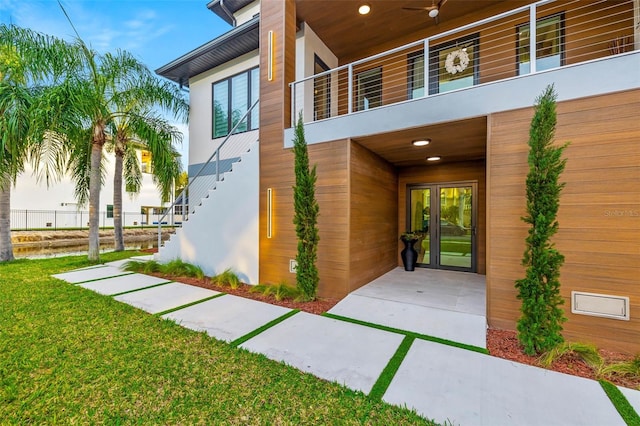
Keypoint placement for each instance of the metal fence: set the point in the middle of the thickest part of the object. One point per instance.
(65, 219)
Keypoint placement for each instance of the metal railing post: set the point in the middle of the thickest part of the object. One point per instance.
(533, 30)
(217, 165)
(426, 68)
(350, 89)
(293, 104)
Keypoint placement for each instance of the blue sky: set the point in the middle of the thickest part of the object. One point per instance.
(155, 31)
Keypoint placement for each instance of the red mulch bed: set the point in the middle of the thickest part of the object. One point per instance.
(505, 344)
(500, 343)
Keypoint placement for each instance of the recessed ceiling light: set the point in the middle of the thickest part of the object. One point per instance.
(421, 142)
(435, 158)
(364, 9)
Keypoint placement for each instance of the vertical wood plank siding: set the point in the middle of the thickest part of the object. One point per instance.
(599, 212)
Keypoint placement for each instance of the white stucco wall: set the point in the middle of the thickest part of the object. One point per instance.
(309, 44)
(29, 194)
(201, 144)
(223, 231)
(247, 13)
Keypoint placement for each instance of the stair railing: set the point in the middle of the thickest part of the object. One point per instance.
(210, 183)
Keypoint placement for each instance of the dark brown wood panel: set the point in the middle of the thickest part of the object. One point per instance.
(599, 212)
(373, 232)
(450, 172)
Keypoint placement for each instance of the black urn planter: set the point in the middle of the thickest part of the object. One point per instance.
(409, 255)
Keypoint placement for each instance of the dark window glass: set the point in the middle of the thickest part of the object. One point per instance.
(454, 65)
(549, 45)
(321, 91)
(232, 98)
(369, 89)
(416, 75)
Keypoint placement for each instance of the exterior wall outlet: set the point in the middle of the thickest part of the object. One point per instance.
(293, 265)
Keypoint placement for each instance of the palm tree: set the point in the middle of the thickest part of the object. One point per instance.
(27, 60)
(143, 130)
(98, 91)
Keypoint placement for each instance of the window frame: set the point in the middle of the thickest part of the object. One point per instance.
(434, 60)
(321, 115)
(359, 96)
(539, 20)
(412, 58)
(249, 120)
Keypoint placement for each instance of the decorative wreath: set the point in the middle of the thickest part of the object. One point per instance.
(463, 61)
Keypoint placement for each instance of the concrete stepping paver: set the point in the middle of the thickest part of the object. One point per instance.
(165, 297)
(468, 388)
(227, 317)
(115, 285)
(120, 263)
(82, 275)
(633, 396)
(457, 326)
(334, 350)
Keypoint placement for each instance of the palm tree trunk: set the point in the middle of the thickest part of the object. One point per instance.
(6, 248)
(117, 202)
(94, 202)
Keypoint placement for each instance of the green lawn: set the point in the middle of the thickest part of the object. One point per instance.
(69, 355)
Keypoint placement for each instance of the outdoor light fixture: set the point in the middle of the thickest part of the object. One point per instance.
(270, 48)
(364, 9)
(433, 13)
(421, 142)
(269, 212)
(434, 158)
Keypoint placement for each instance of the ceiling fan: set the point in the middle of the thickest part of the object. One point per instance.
(434, 9)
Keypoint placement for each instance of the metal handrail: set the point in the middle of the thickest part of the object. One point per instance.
(216, 155)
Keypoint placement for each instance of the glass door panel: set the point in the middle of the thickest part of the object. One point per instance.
(419, 222)
(456, 226)
(443, 216)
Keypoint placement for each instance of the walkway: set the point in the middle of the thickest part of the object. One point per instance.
(459, 384)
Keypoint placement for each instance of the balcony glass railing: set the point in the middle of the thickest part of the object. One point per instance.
(526, 40)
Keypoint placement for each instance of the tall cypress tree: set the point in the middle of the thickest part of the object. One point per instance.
(306, 216)
(540, 325)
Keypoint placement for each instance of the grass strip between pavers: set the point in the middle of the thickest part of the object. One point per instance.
(142, 288)
(409, 333)
(241, 340)
(626, 410)
(177, 308)
(382, 384)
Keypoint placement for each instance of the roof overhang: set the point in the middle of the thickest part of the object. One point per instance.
(223, 8)
(230, 45)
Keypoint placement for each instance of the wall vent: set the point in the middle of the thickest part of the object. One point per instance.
(600, 305)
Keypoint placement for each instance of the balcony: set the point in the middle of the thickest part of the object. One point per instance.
(497, 63)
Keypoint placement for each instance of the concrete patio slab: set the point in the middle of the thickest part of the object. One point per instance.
(468, 388)
(82, 275)
(120, 263)
(227, 317)
(334, 350)
(451, 290)
(130, 282)
(143, 258)
(456, 326)
(633, 396)
(165, 297)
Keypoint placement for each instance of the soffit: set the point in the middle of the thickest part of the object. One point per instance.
(230, 45)
(350, 35)
(462, 140)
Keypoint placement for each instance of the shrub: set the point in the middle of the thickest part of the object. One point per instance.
(227, 278)
(280, 291)
(540, 325)
(587, 352)
(305, 217)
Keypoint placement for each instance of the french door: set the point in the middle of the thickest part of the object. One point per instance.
(444, 215)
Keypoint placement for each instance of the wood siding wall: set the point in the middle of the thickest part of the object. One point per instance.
(449, 172)
(373, 212)
(599, 213)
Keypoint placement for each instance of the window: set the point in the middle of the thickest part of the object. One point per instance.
(447, 71)
(549, 44)
(109, 211)
(232, 98)
(369, 87)
(146, 162)
(321, 91)
(416, 75)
